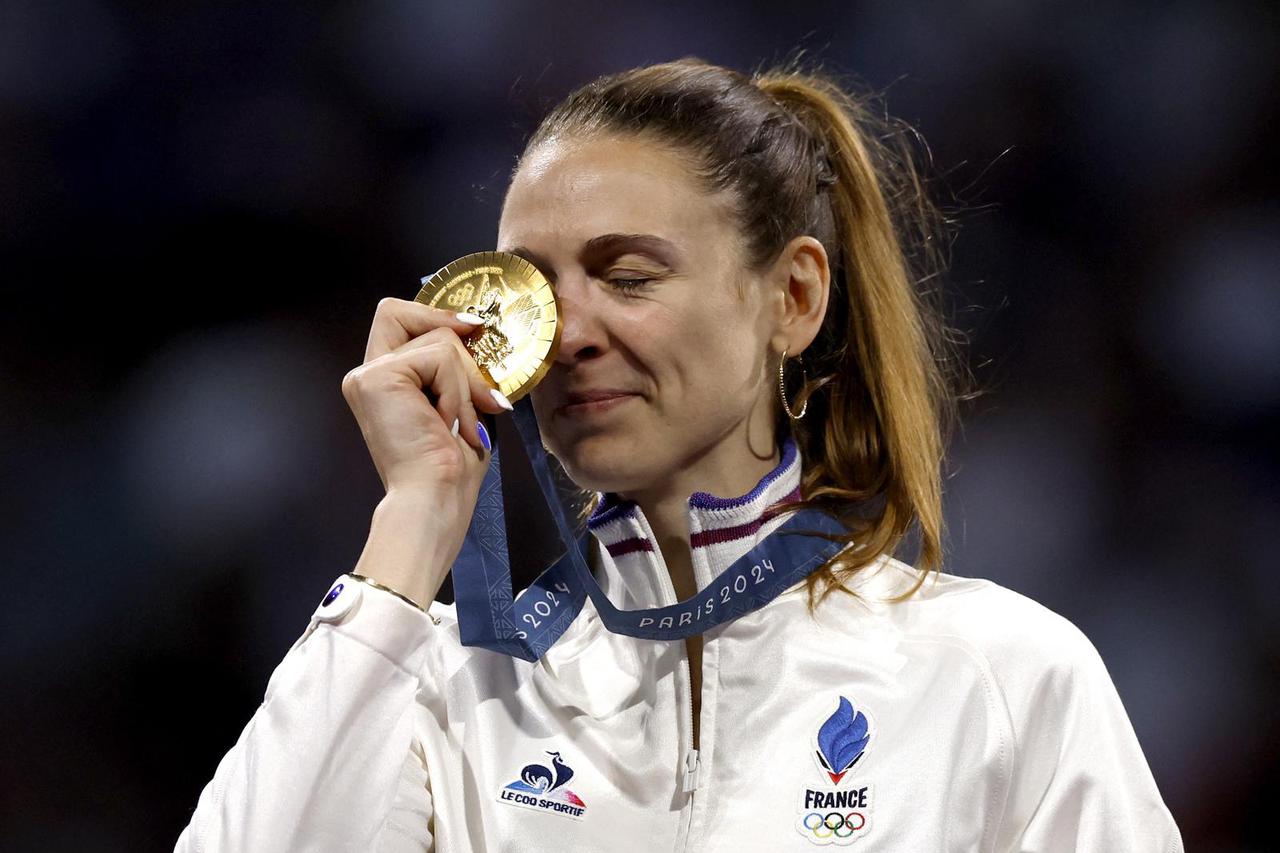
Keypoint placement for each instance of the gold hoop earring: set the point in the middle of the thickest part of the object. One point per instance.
(782, 391)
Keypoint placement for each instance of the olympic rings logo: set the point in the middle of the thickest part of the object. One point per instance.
(843, 826)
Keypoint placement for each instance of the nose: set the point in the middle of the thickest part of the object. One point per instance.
(582, 334)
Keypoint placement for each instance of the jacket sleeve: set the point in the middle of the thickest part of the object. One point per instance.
(329, 761)
(1080, 780)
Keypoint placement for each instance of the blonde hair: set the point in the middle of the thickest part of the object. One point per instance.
(804, 155)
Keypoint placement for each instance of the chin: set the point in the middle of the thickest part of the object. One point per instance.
(604, 463)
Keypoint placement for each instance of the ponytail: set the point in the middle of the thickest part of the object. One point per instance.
(890, 405)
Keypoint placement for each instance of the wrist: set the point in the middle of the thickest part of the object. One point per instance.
(412, 496)
(409, 547)
(406, 599)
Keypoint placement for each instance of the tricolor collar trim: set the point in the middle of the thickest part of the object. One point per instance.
(706, 500)
(707, 511)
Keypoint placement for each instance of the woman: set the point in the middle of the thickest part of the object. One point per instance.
(702, 230)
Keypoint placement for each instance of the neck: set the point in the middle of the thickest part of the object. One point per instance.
(731, 468)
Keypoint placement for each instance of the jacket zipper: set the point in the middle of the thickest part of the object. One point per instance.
(690, 771)
(690, 754)
(691, 763)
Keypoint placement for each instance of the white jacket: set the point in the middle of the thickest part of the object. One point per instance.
(975, 720)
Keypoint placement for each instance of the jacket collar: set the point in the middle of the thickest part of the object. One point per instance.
(632, 571)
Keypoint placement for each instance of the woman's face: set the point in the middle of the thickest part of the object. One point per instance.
(656, 304)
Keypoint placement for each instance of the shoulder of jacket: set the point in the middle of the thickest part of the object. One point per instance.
(1027, 645)
(1008, 629)
(1038, 661)
(1014, 629)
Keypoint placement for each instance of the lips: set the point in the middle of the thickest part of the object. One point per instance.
(594, 396)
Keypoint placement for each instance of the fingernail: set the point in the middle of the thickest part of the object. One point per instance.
(484, 436)
(501, 399)
(468, 317)
(453, 431)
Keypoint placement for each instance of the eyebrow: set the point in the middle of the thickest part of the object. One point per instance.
(656, 247)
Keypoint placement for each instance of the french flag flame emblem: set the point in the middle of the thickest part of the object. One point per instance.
(842, 739)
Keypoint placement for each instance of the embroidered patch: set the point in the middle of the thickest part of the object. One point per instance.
(543, 789)
(838, 813)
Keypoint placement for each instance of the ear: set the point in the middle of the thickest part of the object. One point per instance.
(802, 278)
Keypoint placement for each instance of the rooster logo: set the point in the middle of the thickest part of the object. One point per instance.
(543, 779)
(842, 740)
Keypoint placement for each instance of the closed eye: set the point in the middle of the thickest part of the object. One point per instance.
(629, 283)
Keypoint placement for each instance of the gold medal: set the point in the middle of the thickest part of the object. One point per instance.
(521, 333)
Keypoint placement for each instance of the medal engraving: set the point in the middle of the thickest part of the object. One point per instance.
(520, 337)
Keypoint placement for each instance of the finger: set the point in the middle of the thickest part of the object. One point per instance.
(485, 448)
(467, 409)
(428, 368)
(453, 401)
(398, 321)
(438, 368)
(481, 392)
(478, 451)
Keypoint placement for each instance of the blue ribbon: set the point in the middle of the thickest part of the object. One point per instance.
(490, 616)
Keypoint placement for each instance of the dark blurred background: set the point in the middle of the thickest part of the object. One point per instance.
(203, 203)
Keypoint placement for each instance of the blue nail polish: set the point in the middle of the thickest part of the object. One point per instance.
(484, 436)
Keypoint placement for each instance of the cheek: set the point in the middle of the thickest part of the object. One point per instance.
(716, 359)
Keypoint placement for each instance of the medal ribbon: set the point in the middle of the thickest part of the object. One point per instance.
(525, 626)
